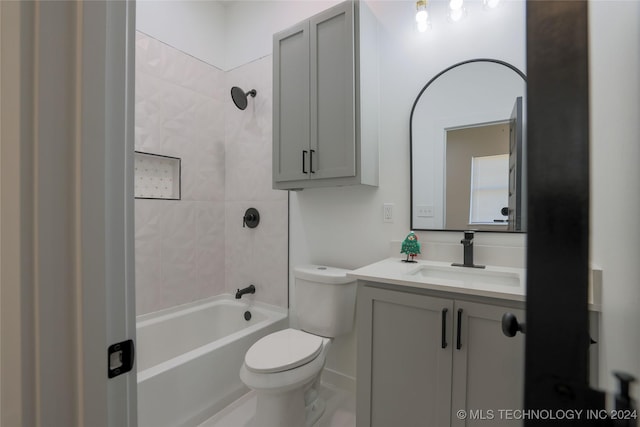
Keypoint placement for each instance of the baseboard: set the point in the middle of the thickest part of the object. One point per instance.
(338, 380)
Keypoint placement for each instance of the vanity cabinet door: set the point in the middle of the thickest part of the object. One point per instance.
(488, 367)
(404, 359)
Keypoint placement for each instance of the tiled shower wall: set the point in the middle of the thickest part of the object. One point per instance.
(258, 256)
(196, 247)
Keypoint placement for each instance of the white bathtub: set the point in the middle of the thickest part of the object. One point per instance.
(189, 358)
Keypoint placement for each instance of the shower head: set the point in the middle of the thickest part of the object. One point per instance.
(240, 97)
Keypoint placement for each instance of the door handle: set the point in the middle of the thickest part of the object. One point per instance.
(511, 326)
(459, 331)
(304, 157)
(311, 161)
(444, 327)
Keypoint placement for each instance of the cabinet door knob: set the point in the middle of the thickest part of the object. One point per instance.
(511, 326)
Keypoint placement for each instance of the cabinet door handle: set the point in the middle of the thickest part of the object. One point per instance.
(311, 161)
(304, 157)
(459, 331)
(444, 327)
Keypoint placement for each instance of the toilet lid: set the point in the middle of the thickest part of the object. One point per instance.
(282, 350)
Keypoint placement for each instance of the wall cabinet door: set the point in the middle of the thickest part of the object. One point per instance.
(332, 139)
(404, 359)
(320, 136)
(488, 367)
(291, 103)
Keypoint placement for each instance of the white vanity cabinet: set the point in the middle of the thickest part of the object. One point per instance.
(423, 358)
(325, 100)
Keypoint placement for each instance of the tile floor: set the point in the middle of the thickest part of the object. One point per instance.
(340, 410)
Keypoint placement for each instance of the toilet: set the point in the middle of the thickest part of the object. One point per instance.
(284, 368)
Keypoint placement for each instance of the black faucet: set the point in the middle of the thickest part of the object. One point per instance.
(248, 290)
(467, 244)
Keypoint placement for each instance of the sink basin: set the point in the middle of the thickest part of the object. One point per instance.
(467, 276)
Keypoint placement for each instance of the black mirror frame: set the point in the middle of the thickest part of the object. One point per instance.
(413, 107)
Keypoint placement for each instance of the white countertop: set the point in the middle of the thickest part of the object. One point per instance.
(396, 272)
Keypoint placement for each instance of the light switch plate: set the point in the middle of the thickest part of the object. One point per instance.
(425, 211)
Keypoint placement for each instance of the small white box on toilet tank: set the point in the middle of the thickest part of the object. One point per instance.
(325, 300)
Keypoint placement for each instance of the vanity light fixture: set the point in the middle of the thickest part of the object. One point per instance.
(422, 16)
(456, 11)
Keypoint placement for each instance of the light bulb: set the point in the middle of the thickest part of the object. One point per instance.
(456, 4)
(456, 14)
(491, 4)
(422, 16)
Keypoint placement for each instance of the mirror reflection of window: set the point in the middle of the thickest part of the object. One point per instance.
(489, 189)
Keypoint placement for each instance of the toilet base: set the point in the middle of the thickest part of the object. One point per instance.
(314, 411)
(287, 409)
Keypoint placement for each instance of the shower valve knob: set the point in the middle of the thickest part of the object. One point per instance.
(251, 218)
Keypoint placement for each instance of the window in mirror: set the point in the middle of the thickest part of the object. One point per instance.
(489, 189)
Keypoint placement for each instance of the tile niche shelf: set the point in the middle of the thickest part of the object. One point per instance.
(156, 176)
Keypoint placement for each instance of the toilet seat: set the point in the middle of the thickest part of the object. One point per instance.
(282, 351)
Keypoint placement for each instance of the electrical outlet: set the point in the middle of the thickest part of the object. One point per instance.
(387, 215)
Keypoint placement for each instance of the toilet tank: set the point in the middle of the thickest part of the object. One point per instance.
(325, 300)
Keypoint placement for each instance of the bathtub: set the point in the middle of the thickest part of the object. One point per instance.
(189, 357)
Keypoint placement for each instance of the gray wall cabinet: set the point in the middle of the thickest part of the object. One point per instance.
(423, 358)
(325, 100)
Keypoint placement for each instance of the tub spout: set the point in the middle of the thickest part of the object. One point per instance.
(248, 290)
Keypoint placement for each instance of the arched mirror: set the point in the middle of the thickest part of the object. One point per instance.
(467, 149)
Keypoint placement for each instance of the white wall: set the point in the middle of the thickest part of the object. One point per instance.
(192, 26)
(251, 24)
(224, 34)
(615, 199)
